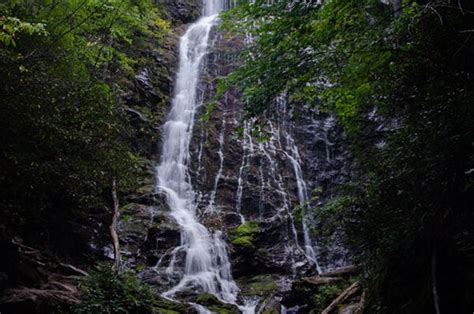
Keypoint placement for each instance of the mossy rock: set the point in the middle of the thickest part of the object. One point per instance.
(244, 235)
(215, 305)
(261, 285)
(164, 306)
(165, 311)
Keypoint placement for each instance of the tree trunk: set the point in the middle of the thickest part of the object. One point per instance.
(434, 283)
(342, 271)
(321, 280)
(114, 225)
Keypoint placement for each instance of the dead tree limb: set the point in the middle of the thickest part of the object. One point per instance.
(316, 280)
(361, 306)
(342, 297)
(353, 269)
(24, 294)
(74, 268)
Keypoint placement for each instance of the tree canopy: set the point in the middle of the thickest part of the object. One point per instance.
(63, 128)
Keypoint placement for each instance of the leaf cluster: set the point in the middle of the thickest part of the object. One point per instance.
(106, 291)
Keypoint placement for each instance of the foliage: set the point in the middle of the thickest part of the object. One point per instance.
(244, 235)
(318, 297)
(324, 296)
(12, 27)
(62, 121)
(401, 82)
(299, 212)
(106, 291)
(332, 216)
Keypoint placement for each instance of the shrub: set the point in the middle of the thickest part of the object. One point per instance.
(106, 291)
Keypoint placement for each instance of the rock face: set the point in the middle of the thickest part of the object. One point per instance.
(183, 11)
(250, 176)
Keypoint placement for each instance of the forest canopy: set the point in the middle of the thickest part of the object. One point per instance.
(64, 132)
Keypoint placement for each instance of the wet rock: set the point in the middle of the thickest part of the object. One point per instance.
(165, 306)
(215, 305)
(232, 219)
(183, 11)
(260, 285)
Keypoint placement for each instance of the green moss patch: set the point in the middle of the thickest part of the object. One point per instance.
(261, 285)
(244, 235)
(215, 305)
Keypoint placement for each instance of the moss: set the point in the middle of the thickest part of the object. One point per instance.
(261, 285)
(140, 266)
(165, 311)
(245, 241)
(263, 252)
(215, 305)
(244, 235)
(165, 306)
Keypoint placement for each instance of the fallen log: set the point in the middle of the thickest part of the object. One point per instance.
(316, 280)
(361, 306)
(25, 294)
(74, 268)
(353, 269)
(355, 287)
(55, 285)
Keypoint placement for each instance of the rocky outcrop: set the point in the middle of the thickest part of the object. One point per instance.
(183, 11)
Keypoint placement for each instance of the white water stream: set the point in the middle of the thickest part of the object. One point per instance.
(207, 266)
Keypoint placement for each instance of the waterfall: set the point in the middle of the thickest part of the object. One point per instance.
(291, 151)
(303, 200)
(207, 267)
(211, 208)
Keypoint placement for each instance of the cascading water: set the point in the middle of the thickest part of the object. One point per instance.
(279, 144)
(212, 202)
(291, 151)
(207, 266)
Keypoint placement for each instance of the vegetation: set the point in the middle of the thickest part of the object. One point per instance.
(71, 124)
(400, 80)
(318, 297)
(399, 75)
(260, 285)
(64, 130)
(244, 235)
(106, 291)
